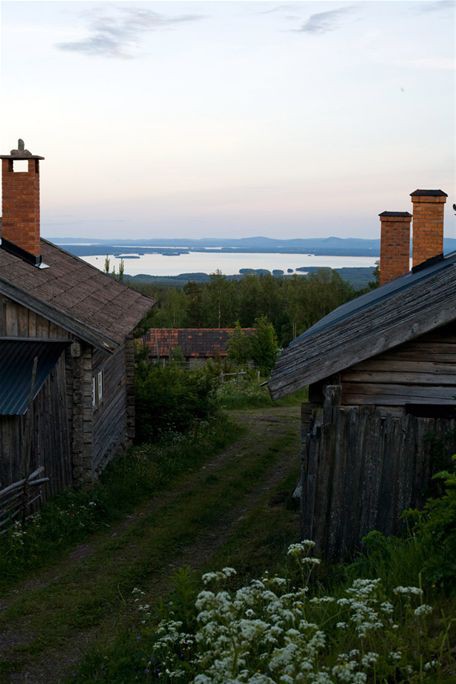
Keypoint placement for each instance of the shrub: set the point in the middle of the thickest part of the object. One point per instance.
(274, 630)
(436, 532)
(171, 399)
(428, 550)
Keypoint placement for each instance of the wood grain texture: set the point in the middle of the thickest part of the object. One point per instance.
(361, 467)
(421, 305)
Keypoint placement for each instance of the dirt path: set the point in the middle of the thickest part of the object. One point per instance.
(48, 623)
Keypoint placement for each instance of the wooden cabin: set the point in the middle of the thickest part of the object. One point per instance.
(381, 372)
(197, 345)
(68, 328)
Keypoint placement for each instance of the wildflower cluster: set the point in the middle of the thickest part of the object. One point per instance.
(272, 632)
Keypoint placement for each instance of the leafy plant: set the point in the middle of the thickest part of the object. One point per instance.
(171, 399)
(277, 630)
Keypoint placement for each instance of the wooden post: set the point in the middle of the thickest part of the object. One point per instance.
(27, 440)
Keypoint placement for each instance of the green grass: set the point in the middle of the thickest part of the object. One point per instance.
(256, 542)
(95, 593)
(252, 393)
(74, 516)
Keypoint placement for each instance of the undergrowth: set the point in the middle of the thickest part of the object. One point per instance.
(72, 516)
(386, 617)
(249, 392)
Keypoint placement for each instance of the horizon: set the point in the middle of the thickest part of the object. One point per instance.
(230, 119)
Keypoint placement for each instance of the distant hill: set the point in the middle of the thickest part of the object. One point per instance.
(329, 246)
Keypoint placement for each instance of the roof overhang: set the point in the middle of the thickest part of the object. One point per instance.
(59, 318)
(374, 323)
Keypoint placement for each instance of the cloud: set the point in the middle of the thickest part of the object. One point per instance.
(438, 63)
(280, 8)
(119, 35)
(321, 22)
(436, 6)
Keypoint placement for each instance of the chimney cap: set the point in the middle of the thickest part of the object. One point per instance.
(428, 193)
(20, 153)
(401, 214)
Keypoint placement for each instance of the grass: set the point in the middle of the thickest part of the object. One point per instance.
(95, 592)
(253, 393)
(257, 541)
(74, 516)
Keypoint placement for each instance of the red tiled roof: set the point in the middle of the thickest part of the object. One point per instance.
(193, 342)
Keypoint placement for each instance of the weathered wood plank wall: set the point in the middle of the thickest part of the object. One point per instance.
(50, 441)
(419, 372)
(110, 433)
(18, 321)
(361, 469)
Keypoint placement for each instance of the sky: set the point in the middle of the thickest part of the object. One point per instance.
(230, 119)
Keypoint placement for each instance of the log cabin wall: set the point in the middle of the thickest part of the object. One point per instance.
(361, 467)
(18, 321)
(365, 453)
(51, 443)
(130, 389)
(422, 371)
(79, 392)
(110, 428)
(62, 440)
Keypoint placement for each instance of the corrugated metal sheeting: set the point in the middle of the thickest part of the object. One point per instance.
(16, 365)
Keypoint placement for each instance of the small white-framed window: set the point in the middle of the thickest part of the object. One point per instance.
(97, 390)
(100, 386)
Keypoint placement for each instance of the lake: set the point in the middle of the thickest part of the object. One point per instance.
(227, 263)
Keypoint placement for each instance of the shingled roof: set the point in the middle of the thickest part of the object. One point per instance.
(74, 295)
(398, 311)
(193, 342)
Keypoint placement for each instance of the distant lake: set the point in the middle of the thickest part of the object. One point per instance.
(227, 263)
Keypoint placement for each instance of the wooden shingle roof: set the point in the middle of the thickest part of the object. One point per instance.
(74, 295)
(398, 311)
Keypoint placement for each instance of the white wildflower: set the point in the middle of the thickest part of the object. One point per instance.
(430, 665)
(423, 610)
(408, 591)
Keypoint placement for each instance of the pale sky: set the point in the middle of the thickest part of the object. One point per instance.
(204, 119)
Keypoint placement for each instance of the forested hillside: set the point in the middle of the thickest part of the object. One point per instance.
(291, 304)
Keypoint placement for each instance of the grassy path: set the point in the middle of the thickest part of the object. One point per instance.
(48, 623)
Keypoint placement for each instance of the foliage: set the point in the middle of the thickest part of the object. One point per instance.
(260, 348)
(73, 515)
(243, 391)
(171, 399)
(279, 630)
(247, 390)
(428, 549)
(239, 346)
(436, 530)
(264, 347)
(291, 303)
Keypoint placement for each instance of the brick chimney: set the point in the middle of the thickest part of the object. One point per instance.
(428, 206)
(394, 244)
(21, 205)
